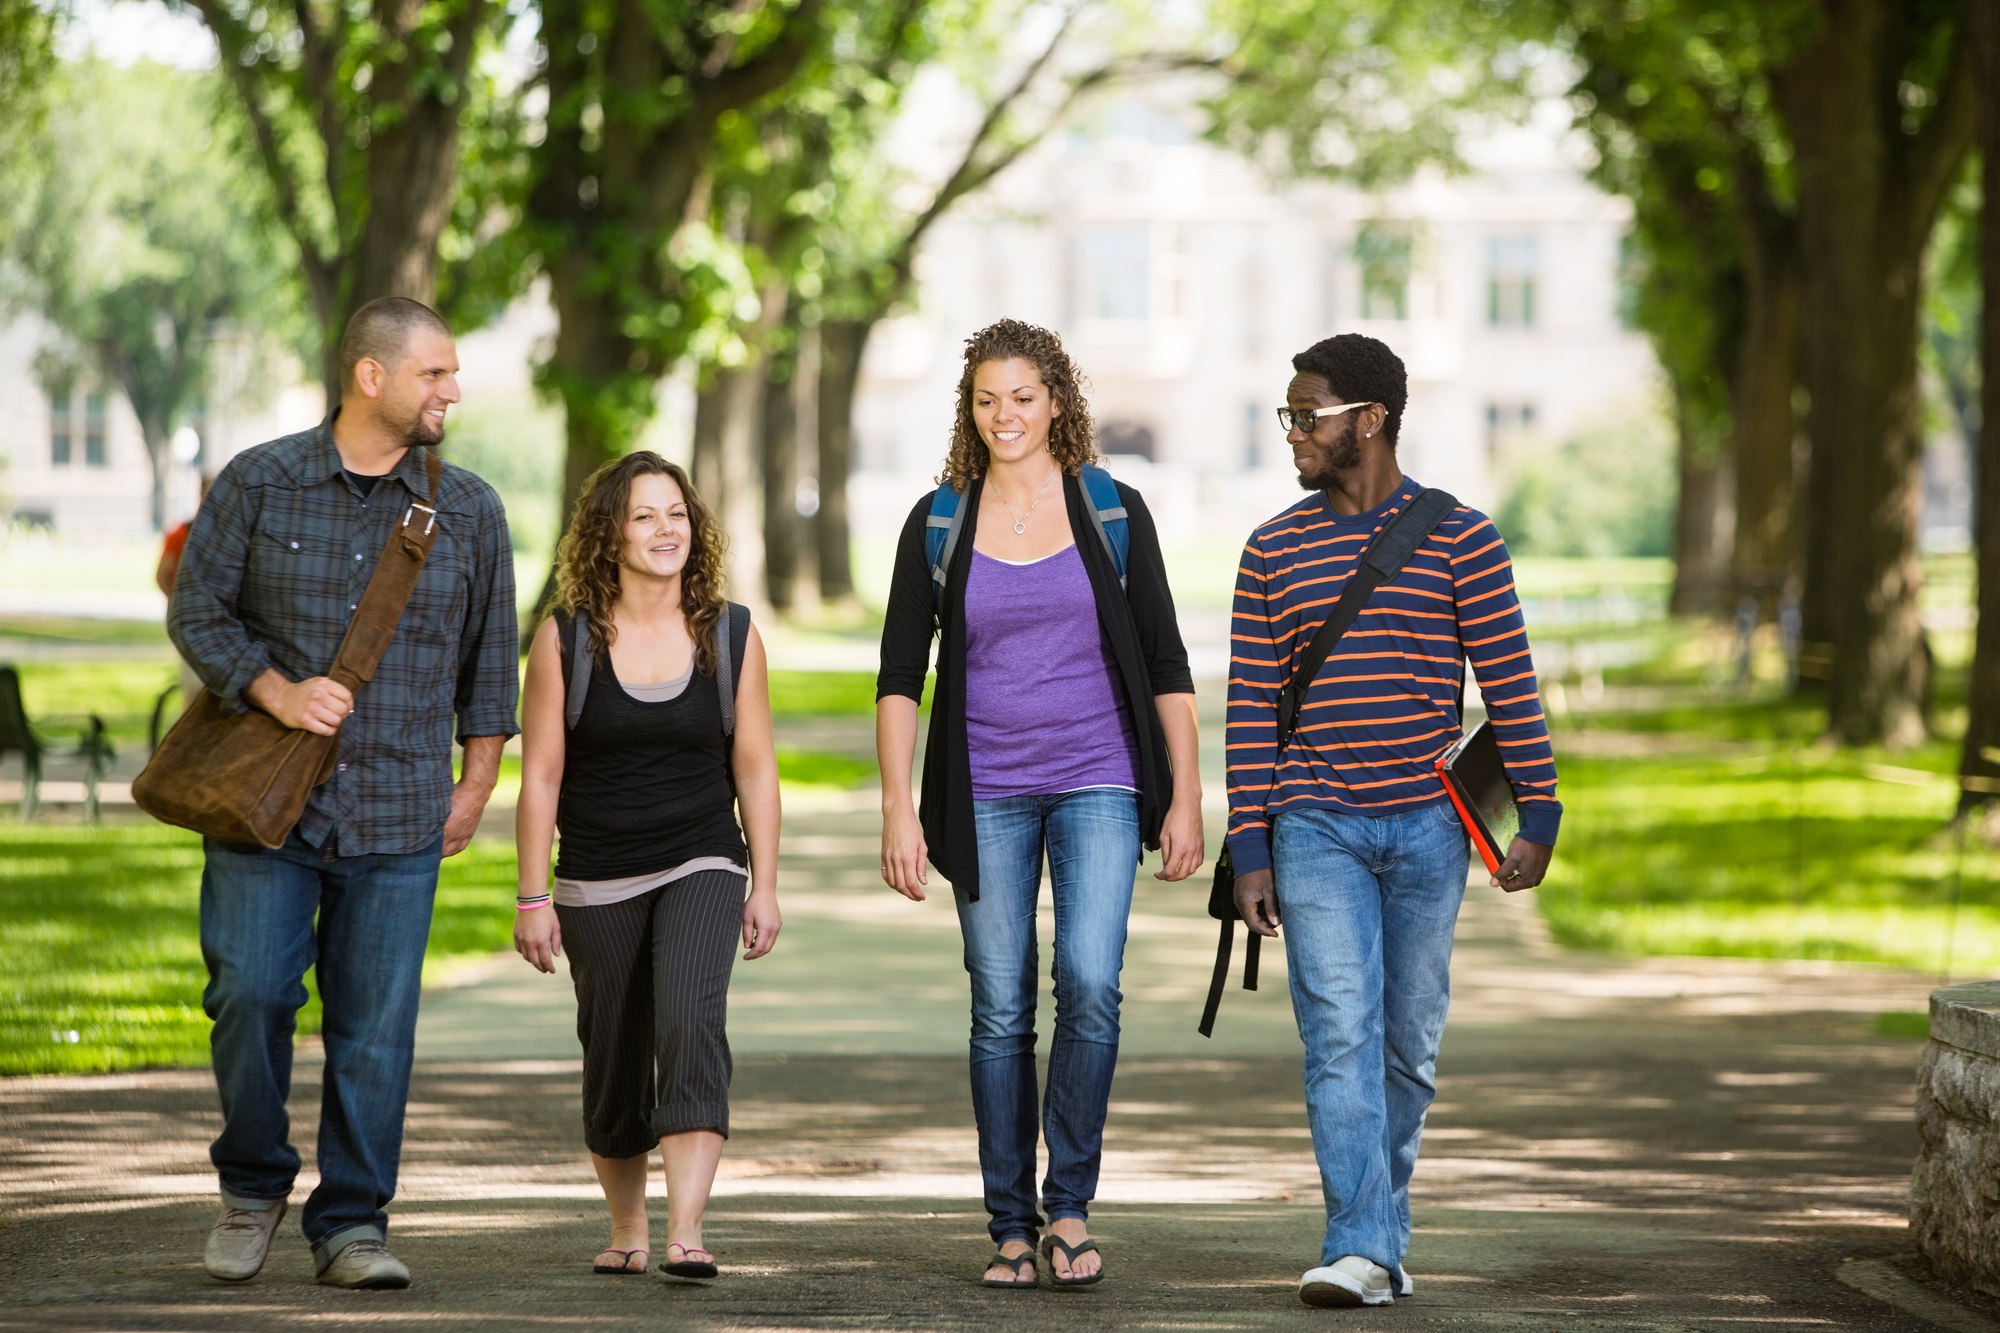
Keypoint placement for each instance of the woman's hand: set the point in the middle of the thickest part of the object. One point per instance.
(761, 923)
(904, 854)
(538, 936)
(1180, 841)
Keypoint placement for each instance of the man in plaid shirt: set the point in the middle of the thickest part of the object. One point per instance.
(277, 561)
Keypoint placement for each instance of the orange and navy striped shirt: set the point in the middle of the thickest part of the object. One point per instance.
(1385, 705)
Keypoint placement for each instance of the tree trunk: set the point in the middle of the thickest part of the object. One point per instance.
(842, 343)
(705, 455)
(605, 407)
(1703, 517)
(726, 472)
(1868, 194)
(154, 432)
(779, 437)
(1979, 761)
(1764, 429)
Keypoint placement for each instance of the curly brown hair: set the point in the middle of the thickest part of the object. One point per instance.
(587, 561)
(1072, 436)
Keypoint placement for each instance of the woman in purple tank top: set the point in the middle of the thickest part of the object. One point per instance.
(1062, 725)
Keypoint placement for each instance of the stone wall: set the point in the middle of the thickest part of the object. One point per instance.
(1955, 1189)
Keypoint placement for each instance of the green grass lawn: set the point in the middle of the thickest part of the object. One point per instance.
(103, 924)
(1724, 831)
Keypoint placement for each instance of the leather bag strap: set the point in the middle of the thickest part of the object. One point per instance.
(1383, 560)
(381, 607)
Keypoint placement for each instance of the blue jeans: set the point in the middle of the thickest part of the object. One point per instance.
(259, 936)
(1092, 838)
(1369, 906)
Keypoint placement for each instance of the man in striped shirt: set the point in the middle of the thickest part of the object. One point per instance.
(1350, 827)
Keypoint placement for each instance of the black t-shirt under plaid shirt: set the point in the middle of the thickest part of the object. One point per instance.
(276, 562)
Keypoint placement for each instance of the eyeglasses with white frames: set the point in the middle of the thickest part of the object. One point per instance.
(1305, 419)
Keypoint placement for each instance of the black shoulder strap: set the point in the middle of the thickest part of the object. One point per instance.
(732, 639)
(1383, 560)
(573, 639)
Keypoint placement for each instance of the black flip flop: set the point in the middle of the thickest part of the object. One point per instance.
(624, 1265)
(698, 1269)
(1024, 1257)
(1051, 1243)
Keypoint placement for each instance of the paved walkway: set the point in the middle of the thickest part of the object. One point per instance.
(1653, 1145)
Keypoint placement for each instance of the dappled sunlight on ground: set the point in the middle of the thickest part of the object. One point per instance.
(1664, 1144)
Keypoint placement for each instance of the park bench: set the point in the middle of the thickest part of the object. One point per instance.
(18, 735)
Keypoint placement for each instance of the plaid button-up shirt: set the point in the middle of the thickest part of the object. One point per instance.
(279, 555)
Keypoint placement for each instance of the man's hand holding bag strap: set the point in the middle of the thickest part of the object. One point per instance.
(245, 777)
(1383, 560)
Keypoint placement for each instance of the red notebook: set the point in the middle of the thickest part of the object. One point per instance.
(1477, 783)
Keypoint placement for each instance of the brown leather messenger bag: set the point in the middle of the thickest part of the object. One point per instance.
(244, 777)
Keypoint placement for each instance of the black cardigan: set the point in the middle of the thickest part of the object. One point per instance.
(1138, 622)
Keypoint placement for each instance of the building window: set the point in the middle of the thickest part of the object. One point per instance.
(93, 430)
(62, 446)
(1119, 261)
(1508, 426)
(1132, 438)
(76, 429)
(1383, 254)
(1510, 282)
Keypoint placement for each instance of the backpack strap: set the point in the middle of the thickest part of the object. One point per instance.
(573, 638)
(941, 529)
(1383, 560)
(1108, 516)
(732, 639)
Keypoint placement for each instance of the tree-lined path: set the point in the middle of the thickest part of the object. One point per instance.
(1654, 1144)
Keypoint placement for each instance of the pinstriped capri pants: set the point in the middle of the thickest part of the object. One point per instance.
(652, 999)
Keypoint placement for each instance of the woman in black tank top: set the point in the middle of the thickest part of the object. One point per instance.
(627, 750)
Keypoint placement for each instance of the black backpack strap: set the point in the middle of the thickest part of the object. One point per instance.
(1222, 906)
(1383, 560)
(732, 640)
(573, 641)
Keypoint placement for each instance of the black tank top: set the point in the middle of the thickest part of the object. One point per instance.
(645, 785)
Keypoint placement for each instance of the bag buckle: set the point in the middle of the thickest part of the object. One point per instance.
(414, 507)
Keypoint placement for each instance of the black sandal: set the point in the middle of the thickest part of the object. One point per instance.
(687, 1266)
(1051, 1243)
(1024, 1257)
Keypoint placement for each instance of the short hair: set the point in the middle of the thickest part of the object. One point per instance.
(1360, 369)
(380, 331)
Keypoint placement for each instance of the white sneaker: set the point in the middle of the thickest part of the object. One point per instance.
(1404, 1287)
(366, 1265)
(1348, 1281)
(239, 1241)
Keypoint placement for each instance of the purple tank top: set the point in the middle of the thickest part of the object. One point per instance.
(1043, 711)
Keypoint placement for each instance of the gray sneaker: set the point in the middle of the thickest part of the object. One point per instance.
(239, 1241)
(366, 1265)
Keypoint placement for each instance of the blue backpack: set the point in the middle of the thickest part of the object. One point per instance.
(1107, 515)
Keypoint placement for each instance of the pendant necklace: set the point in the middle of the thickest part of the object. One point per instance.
(1021, 520)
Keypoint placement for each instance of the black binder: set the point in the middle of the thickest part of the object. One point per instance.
(1478, 786)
